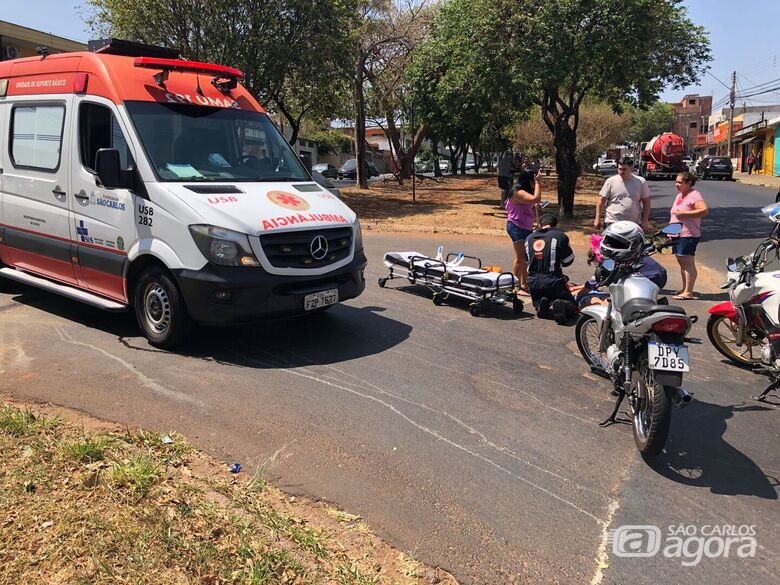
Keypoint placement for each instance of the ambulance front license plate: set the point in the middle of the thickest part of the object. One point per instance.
(321, 299)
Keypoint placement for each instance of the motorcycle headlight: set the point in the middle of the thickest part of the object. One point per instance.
(358, 236)
(222, 246)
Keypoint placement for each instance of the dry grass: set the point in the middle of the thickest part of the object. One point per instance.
(96, 506)
(460, 205)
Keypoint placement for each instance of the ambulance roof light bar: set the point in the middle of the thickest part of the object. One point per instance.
(219, 71)
(131, 49)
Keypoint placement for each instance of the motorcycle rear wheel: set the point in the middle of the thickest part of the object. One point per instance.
(722, 332)
(653, 412)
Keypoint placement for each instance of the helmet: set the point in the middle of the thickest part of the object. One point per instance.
(623, 241)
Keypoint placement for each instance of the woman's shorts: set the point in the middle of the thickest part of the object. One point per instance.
(686, 246)
(517, 234)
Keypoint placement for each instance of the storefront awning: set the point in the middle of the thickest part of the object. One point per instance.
(748, 140)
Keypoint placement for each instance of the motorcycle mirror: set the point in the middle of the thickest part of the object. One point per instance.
(673, 229)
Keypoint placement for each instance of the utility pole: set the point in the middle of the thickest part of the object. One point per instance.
(732, 100)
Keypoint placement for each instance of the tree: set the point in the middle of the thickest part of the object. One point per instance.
(617, 51)
(599, 128)
(649, 122)
(295, 53)
(462, 84)
(385, 37)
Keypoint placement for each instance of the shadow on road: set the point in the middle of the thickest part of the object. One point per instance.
(697, 454)
(341, 334)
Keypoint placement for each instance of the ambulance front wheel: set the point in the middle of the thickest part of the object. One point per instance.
(160, 309)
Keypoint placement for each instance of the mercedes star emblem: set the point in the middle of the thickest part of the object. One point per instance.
(319, 248)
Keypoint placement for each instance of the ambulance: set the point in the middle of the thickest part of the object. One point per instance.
(133, 179)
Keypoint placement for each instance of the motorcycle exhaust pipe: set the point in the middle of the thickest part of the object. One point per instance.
(681, 397)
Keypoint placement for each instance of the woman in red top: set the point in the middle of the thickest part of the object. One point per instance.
(688, 209)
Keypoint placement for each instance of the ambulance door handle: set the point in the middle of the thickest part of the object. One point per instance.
(81, 195)
(58, 192)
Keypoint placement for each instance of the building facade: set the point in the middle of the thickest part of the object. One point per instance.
(19, 41)
(691, 116)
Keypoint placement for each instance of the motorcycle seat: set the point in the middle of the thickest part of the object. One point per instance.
(639, 308)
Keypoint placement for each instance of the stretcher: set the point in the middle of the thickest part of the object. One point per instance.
(449, 276)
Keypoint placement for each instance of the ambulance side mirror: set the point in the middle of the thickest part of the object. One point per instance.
(108, 168)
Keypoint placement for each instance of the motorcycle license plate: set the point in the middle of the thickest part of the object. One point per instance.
(321, 299)
(668, 357)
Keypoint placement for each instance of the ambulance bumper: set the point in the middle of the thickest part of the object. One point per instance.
(226, 295)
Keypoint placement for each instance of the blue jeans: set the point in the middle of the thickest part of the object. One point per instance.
(686, 246)
(517, 233)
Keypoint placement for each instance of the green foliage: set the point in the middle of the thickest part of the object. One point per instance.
(138, 472)
(87, 449)
(296, 54)
(649, 122)
(462, 78)
(330, 141)
(19, 423)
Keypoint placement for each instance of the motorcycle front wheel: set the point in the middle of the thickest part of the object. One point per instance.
(652, 406)
(588, 333)
(722, 332)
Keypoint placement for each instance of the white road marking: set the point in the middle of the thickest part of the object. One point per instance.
(423, 428)
(143, 378)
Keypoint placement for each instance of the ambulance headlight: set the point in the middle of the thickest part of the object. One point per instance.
(358, 236)
(222, 246)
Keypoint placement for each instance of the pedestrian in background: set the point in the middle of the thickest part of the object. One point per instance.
(520, 205)
(751, 160)
(625, 197)
(688, 209)
(505, 174)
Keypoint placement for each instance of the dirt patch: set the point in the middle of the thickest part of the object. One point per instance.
(460, 205)
(85, 501)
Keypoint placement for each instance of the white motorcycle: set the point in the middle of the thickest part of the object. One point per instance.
(746, 328)
(639, 344)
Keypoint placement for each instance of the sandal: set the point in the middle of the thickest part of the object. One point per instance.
(685, 298)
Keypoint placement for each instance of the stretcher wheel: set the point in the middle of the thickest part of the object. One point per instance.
(475, 309)
(382, 282)
(438, 299)
(517, 305)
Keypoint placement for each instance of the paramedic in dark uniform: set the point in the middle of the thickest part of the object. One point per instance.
(548, 251)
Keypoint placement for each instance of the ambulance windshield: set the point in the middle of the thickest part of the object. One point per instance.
(196, 143)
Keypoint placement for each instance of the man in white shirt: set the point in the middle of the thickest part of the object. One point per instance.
(625, 197)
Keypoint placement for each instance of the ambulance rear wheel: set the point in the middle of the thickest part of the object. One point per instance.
(160, 309)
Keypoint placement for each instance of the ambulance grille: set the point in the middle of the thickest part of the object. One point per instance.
(294, 249)
(213, 189)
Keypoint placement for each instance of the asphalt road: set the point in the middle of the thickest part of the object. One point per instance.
(735, 224)
(471, 442)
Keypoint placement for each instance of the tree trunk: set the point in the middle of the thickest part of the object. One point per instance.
(465, 155)
(566, 165)
(360, 126)
(435, 148)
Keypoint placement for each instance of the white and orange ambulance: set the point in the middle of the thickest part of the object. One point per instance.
(132, 178)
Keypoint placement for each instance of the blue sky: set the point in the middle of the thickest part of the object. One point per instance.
(743, 36)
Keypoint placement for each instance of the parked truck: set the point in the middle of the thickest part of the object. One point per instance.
(662, 156)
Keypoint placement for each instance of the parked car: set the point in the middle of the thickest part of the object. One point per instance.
(715, 167)
(688, 162)
(326, 169)
(349, 170)
(444, 165)
(470, 164)
(323, 181)
(608, 165)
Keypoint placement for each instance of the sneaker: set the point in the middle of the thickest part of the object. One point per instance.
(543, 308)
(559, 311)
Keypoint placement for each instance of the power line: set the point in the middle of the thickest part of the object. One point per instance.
(718, 80)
